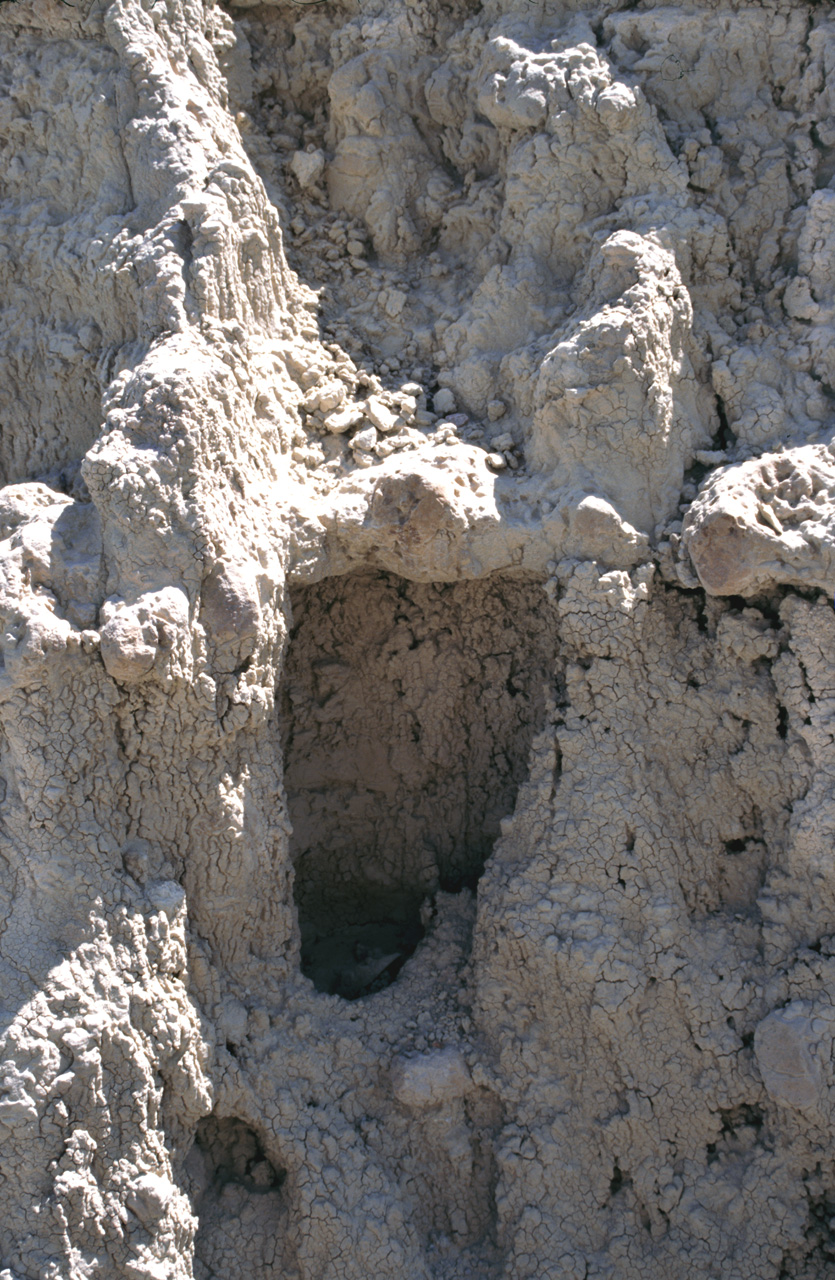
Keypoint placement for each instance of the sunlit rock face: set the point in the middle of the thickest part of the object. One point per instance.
(417, 797)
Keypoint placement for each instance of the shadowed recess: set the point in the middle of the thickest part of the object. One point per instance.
(408, 711)
(236, 1192)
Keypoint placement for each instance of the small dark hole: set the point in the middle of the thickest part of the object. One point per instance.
(743, 1116)
(233, 1154)
(236, 1192)
(360, 958)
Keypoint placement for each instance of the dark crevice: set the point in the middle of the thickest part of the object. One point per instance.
(816, 1255)
(741, 1117)
(724, 437)
(233, 1152)
(408, 712)
(236, 1192)
(702, 620)
(183, 237)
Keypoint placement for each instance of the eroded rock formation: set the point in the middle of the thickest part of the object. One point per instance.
(416, 557)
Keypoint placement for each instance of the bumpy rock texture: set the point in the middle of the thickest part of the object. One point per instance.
(417, 700)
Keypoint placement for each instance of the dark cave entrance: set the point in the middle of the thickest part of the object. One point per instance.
(236, 1191)
(408, 711)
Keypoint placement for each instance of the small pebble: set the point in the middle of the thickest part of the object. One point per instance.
(307, 167)
(496, 409)
(331, 395)
(496, 461)
(444, 432)
(444, 401)
(343, 419)
(380, 415)
(365, 439)
(394, 303)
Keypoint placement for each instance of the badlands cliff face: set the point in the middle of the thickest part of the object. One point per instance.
(417, 839)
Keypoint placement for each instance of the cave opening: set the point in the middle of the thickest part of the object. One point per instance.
(237, 1194)
(407, 715)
